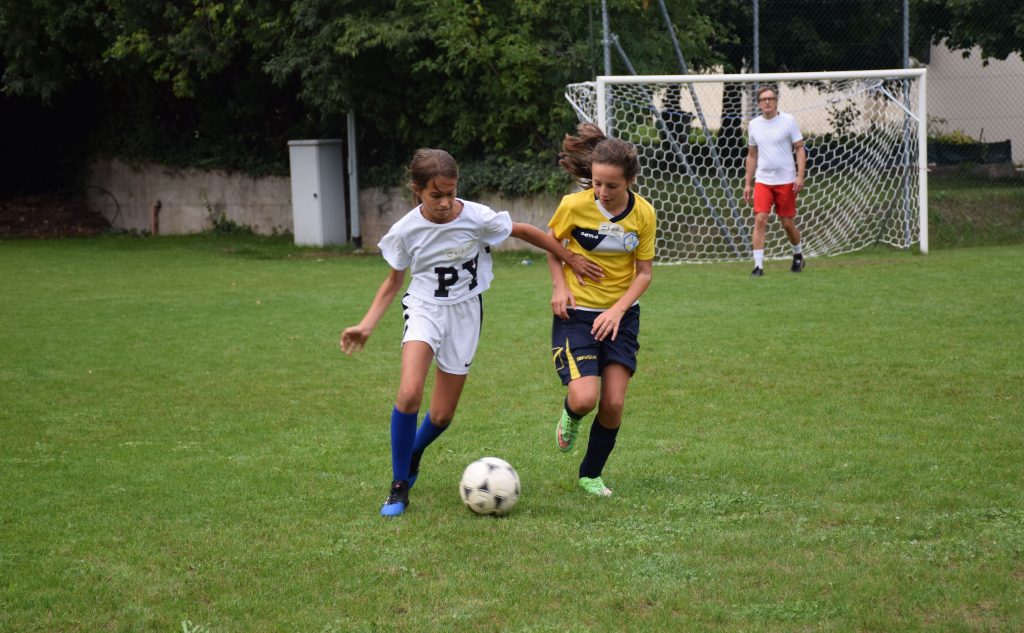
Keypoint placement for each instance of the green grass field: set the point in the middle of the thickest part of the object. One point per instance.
(184, 448)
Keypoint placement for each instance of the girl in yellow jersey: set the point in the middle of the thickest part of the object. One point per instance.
(595, 326)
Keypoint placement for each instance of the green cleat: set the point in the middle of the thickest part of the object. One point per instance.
(565, 432)
(595, 486)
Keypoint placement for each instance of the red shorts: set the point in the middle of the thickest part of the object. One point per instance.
(782, 196)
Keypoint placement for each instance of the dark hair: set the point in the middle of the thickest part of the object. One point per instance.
(589, 146)
(428, 164)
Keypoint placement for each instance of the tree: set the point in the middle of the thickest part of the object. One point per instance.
(995, 26)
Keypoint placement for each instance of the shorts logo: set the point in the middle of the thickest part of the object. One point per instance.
(558, 358)
(630, 241)
(586, 357)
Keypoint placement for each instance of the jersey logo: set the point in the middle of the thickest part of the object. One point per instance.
(630, 241)
(448, 276)
(458, 252)
(587, 238)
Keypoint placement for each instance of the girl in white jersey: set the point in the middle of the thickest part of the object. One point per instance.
(445, 242)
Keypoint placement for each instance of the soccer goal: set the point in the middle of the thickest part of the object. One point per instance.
(865, 134)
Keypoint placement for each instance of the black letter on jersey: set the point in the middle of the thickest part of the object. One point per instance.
(446, 278)
(471, 267)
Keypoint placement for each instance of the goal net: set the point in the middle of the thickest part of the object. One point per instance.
(864, 133)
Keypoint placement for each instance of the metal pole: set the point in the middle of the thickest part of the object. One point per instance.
(703, 122)
(663, 129)
(622, 54)
(906, 33)
(606, 38)
(672, 34)
(922, 162)
(353, 182)
(757, 37)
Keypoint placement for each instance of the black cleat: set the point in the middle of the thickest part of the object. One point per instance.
(397, 501)
(798, 263)
(757, 272)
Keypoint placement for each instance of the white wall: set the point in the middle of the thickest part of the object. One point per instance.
(986, 102)
(189, 197)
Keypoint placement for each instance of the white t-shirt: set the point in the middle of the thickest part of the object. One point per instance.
(449, 262)
(774, 139)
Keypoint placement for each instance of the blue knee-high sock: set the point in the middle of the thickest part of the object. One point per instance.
(426, 434)
(403, 434)
(599, 447)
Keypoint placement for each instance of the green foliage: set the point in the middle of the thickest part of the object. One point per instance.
(511, 178)
(937, 131)
(180, 45)
(996, 26)
(218, 84)
(214, 84)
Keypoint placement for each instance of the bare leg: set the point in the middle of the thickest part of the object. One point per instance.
(791, 231)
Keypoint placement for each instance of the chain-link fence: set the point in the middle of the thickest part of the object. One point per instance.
(974, 88)
(976, 124)
(975, 120)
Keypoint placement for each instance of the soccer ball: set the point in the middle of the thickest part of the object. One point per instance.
(490, 486)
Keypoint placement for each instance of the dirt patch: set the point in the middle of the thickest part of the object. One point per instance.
(49, 216)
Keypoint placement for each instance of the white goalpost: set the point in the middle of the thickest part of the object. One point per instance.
(866, 139)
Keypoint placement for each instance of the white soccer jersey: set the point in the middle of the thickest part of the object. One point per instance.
(774, 139)
(449, 262)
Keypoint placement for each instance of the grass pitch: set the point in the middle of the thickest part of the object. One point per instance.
(184, 448)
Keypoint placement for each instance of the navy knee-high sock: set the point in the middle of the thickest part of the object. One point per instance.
(403, 434)
(599, 447)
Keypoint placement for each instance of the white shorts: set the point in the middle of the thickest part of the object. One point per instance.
(452, 331)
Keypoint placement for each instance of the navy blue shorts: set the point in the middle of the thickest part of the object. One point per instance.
(576, 352)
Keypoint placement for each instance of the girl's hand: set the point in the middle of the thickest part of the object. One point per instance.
(354, 338)
(561, 300)
(607, 324)
(583, 267)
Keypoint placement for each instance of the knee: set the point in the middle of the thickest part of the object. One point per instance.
(441, 419)
(610, 412)
(408, 400)
(582, 403)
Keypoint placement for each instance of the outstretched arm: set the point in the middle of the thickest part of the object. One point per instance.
(580, 265)
(354, 338)
(561, 297)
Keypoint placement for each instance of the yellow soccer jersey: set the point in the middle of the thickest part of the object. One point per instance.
(612, 242)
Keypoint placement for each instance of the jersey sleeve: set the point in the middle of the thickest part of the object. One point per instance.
(393, 250)
(497, 226)
(561, 221)
(795, 136)
(648, 233)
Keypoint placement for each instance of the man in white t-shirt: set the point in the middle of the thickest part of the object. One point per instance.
(772, 179)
